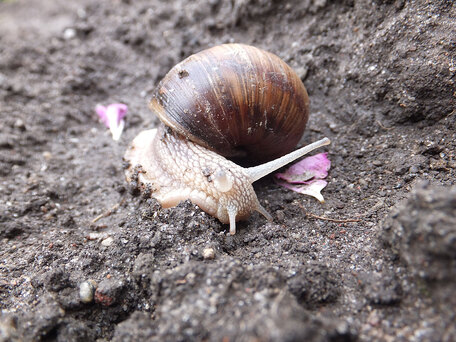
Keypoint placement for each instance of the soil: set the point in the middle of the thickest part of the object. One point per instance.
(83, 259)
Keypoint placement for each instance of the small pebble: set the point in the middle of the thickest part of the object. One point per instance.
(302, 72)
(107, 242)
(87, 291)
(208, 253)
(19, 124)
(413, 169)
(69, 33)
(95, 235)
(377, 163)
(333, 127)
(47, 155)
(109, 291)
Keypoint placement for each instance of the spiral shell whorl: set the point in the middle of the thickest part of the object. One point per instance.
(235, 99)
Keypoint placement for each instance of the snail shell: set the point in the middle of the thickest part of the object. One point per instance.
(234, 99)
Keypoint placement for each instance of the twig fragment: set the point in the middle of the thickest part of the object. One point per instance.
(383, 126)
(109, 211)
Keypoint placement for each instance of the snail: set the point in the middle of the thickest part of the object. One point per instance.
(229, 101)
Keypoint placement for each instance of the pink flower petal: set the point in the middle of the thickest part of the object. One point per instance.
(112, 116)
(313, 188)
(306, 176)
(316, 166)
(101, 111)
(121, 110)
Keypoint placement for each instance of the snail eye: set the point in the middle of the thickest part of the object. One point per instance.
(222, 181)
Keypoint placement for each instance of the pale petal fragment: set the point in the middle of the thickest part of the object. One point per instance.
(312, 189)
(112, 116)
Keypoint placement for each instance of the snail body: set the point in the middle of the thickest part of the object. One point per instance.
(224, 101)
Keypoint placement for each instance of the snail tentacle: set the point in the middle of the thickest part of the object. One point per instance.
(263, 212)
(257, 172)
(232, 216)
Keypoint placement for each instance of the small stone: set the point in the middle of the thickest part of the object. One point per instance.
(302, 72)
(107, 242)
(19, 123)
(414, 169)
(87, 291)
(96, 236)
(208, 253)
(377, 163)
(47, 155)
(109, 291)
(69, 33)
(333, 127)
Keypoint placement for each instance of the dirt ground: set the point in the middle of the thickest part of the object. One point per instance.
(84, 259)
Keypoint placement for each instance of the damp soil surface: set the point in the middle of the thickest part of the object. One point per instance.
(82, 258)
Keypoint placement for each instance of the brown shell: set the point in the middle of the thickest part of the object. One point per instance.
(235, 99)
